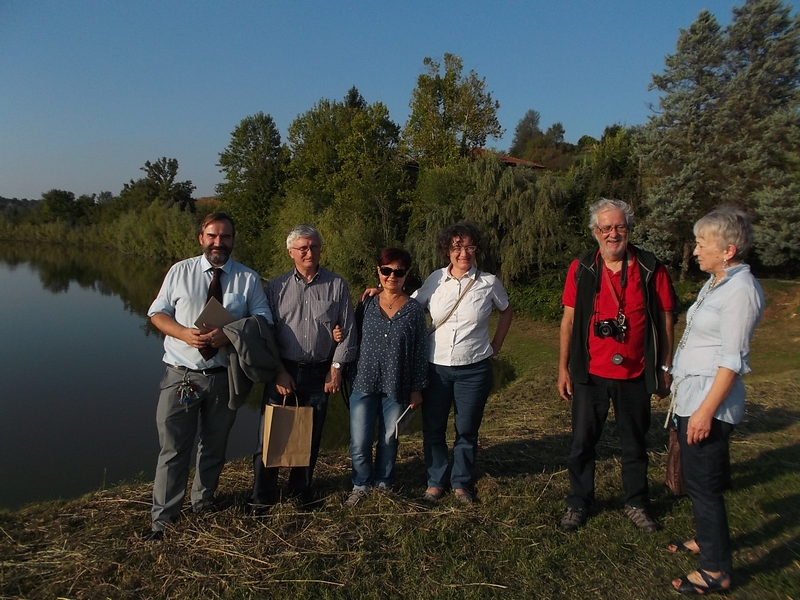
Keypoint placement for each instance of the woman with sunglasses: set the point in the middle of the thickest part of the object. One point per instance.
(390, 374)
(460, 299)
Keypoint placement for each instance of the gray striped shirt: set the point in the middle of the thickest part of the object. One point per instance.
(306, 313)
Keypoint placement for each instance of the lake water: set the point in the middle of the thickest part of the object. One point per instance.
(80, 377)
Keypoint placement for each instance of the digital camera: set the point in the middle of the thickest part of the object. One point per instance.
(609, 328)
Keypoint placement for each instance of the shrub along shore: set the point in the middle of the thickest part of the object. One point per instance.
(507, 545)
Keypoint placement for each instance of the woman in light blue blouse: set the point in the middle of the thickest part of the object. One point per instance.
(707, 390)
(391, 372)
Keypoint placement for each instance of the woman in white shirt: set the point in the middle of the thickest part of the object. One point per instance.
(460, 299)
(707, 390)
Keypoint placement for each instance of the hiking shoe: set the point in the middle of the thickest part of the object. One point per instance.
(641, 518)
(573, 518)
(432, 495)
(464, 496)
(355, 497)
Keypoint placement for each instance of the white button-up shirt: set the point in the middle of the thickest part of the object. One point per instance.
(464, 338)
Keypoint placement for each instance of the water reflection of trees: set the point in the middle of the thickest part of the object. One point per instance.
(133, 279)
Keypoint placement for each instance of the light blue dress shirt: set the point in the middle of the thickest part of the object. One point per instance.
(720, 328)
(183, 296)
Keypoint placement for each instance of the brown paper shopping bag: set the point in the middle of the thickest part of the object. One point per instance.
(287, 435)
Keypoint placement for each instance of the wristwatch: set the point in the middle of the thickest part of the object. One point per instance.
(337, 366)
(666, 369)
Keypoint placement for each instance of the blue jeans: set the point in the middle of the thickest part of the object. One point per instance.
(466, 388)
(310, 391)
(365, 410)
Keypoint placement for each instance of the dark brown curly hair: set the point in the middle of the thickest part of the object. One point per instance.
(457, 231)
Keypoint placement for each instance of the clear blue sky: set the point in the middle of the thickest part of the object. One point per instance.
(91, 90)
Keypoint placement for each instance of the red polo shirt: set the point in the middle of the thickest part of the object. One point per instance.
(631, 348)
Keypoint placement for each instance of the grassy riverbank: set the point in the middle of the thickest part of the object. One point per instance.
(392, 545)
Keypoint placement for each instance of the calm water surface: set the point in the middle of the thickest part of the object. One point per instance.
(80, 381)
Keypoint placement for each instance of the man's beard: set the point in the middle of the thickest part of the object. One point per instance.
(222, 256)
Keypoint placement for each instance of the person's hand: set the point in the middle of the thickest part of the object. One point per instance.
(699, 427)
(664, 383)
(216, 338)
(194, 337)
(284, 383)
(337, 334)
(370, 292)
(415, 400)
(333, 381)
(565, 384)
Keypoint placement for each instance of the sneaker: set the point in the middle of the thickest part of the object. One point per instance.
(641, 518)
(355, 497)
(573, 518)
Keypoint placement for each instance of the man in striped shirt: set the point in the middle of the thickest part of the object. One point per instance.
(307, 302)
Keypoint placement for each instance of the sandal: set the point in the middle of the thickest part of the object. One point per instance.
(678, 547)
(712, 584)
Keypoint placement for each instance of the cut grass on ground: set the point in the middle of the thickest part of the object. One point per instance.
(392, 545)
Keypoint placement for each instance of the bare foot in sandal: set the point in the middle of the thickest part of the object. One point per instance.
(702, 582)
(689, 546)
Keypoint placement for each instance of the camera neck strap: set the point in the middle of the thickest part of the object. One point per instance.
(623, 282)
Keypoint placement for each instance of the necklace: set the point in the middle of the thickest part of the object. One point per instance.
(390, 305)
(690, 318)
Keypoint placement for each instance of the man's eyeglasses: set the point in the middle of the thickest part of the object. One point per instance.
(467, 249)
(305, 249)
(399, 273)
(609, 228)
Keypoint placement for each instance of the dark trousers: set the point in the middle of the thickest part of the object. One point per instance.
(310, 391)
(706, 475)
(590, 404)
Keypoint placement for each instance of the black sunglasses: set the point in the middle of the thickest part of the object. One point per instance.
(386, 271)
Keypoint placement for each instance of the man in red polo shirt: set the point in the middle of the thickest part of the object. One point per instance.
(616, 346)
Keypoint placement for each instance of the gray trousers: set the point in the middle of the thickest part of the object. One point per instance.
(177, 425)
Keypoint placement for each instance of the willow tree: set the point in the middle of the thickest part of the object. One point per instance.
(519, 211)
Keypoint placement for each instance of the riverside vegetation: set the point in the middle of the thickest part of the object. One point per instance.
(507, 545)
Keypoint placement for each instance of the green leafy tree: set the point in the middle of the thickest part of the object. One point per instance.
(345, 177)
(59, 205)
(436, 202)
(161, 176)
(727, 126)
(527, 129)
(451, 114)
(158, 186)
(254, 166)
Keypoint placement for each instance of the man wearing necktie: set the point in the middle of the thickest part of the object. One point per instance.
(195, 384)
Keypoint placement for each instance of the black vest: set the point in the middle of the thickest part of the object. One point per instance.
(588, 278)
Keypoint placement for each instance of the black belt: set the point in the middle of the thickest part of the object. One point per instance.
(205, 372)
(310, 366)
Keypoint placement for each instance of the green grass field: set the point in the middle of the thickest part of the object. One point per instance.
(507, 545)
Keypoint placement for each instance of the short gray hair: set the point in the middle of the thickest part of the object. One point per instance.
(302, 232)
(608, 204)
(728, 225)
